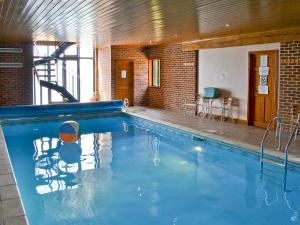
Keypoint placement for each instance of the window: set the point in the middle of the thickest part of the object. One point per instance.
(154, 73)
(73, 70)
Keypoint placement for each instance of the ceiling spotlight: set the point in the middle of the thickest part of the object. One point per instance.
(227, 25)
(175, 35)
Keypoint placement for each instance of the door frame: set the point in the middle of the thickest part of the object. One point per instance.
(115, 76)
(276, 78)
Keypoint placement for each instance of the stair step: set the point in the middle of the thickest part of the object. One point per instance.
(273, 171)
(47, 76)
(45, 69)
(269, 161)
(272, 179)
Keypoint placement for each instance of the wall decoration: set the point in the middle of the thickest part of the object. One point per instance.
(291, 60)
(263, 89)
(264, 60)
(263, 80)
(123, 74)
(263, 75)
(263, 71)
(188, 64)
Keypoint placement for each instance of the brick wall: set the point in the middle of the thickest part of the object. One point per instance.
(16, 83)
(289, 95)
(178, 77)
(139, 58)
(104, 74)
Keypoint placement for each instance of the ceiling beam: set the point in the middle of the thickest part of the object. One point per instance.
(282, 35)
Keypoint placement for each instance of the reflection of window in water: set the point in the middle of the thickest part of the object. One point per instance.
(104, 153)
(125, 127)
(155, 149)
(55, 172)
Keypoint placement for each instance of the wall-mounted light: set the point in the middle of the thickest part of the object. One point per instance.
(11, 50)
(11, 65)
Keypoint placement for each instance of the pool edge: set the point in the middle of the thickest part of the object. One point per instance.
(293, 160)
(8, 216)
(21, 218)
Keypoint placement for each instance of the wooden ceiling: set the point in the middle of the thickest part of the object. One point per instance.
(116, 22)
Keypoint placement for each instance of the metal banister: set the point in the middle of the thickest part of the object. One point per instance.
(286, 149)
(274, 162)
(279, 122)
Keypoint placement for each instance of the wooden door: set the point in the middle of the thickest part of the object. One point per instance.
(262, 107)
(124, 80)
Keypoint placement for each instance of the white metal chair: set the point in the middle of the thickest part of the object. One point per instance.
(198, 105)
(226, 105)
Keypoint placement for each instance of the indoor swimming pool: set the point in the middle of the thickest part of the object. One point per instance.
(125, 170)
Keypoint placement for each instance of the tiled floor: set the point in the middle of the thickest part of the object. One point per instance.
(11, 210)
(247, 136)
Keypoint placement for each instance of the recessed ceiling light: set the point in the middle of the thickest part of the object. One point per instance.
(175, 35)
(227, 25)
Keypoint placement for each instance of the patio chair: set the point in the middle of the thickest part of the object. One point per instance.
(226, 105)
(198, 105)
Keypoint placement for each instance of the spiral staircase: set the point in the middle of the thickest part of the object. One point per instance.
(46, 72)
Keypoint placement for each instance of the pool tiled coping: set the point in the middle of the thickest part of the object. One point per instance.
(11, 208)
(292, 157)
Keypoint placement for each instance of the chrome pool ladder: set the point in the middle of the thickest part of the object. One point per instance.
(272, 161)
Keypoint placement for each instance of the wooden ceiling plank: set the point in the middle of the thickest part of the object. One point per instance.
(7, 12)
(60, 10)
(56, 22)
(245, 39)
(18, 8)
(128, 21)
(86, 20)
(27, 14)
(2, 8)
(71, 21)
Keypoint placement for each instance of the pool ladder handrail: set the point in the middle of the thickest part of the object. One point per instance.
(279, 134)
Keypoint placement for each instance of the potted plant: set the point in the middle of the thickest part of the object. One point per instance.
(94, 98)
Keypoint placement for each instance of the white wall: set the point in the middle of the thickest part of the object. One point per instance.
(227, 68)
(104, 66)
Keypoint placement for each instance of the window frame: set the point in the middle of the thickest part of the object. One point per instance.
(150, 73)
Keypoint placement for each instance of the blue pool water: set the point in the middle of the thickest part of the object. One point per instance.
(128, 171)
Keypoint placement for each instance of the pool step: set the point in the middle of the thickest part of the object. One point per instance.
(272, 171)
(272, 162)
(273, 179)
